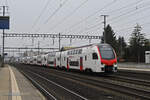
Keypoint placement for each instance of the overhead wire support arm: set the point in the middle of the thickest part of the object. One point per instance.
(28, 48)
(52, 36)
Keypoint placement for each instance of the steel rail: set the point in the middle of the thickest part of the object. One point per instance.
(108, 85)
(38, 85)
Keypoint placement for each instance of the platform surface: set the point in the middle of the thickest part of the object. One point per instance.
(5, 87)
(14, 86)
(134, 66)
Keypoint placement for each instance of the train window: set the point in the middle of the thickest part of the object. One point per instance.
(106, 52)
(85, 58)
(80, 51)
(74, 63)
(50, 62)
(94, 56)
(38, 61)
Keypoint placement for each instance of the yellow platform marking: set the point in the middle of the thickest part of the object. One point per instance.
(136, 69)
(15, 90)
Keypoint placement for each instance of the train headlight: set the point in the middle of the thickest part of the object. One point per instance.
(115, 64)
(102, 64)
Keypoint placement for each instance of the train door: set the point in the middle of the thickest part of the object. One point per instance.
(62, 60)
(94, 61)
(67, 63)
(55, 62)
(81, 63)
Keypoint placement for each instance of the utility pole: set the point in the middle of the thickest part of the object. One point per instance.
(59, 49)
(3, 40)
(104, 27)
(38, 47)
(59, 41)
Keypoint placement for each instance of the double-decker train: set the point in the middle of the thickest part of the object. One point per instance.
(93, 58)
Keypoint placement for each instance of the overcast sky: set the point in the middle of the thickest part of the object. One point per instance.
(74, 17)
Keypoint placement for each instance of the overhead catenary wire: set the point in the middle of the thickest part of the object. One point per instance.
(133, 11)
(41, 13)
(61, 5)
(126, 6)
(51, 16)
(135, 19)
(69, 15)
(141, 8)
(129, 28)
(107, 5)
(138, 19)
(116, 10)
(92, 28)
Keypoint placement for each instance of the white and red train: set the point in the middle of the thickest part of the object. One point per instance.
(94, 58)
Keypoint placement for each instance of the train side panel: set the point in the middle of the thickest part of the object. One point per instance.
(51, 59)
(64, 59)
(39, 60)
(83, 59)
(94, 58)
(44, 60)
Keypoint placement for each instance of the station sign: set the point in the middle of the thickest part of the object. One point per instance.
(4, 22)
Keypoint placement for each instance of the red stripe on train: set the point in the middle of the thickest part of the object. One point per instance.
(109, 62)
(67, 63)
(55, 63)
(81, 63)
(81, 68)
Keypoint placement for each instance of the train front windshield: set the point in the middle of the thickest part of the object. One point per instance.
(107, 52)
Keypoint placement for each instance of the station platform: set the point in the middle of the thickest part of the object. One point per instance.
(14, 86)
(134, 66)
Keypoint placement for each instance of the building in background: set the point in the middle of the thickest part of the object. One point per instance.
(147, 57)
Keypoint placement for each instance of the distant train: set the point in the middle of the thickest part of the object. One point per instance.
(93, 58)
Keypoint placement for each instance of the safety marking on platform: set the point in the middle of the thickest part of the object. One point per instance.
(15, 90)
(136, 69)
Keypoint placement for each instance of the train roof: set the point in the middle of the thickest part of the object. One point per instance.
(85, 46)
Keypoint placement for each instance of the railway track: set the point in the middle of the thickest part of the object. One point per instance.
(112, 84)
(142, 75)
(50, 88)
(129, 79)
(48, 95)
(82, 90)
(144, 83)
